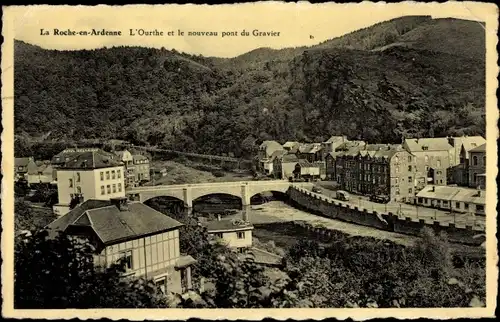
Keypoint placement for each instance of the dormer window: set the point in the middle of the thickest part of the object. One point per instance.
(425, 148)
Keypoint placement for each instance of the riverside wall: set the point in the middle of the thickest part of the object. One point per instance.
(326, 207)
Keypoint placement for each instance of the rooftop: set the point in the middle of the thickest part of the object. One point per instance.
(227, 225)
(430, 144)
(481, 148)
(112, 224)
(453, 194)
(90, 160)
(22, 162)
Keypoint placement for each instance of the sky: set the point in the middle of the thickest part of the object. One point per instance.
(300, 24)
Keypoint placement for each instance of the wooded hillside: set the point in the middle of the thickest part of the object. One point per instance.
(412, 76)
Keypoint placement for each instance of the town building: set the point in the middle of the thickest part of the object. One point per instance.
(234, 233)
(382, 170)
(265, 155)
(477, 167)
(284, 166)
(330, 168)
(311, 152)
(291, 147)
(459, 172)
(69, 153)
(455, 199)
(332, 144)
(21, 167)
(88, 175)
(41, 173)
(146, 239)
(434, 157)
(128, 162)
(141, 168)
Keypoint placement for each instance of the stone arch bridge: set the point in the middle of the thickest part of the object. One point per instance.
(245, 190)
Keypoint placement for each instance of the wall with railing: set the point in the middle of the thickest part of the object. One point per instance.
(330, 208)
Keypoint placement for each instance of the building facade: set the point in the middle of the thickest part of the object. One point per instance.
(21, 167)
(147, 240)
(88, 175)
(128, 162)
(455, 199)
(383, 171)
(434, 157)
(477, 167)
(235, 234)
(141, 168)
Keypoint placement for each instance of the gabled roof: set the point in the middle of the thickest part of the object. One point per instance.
(22, 162)
(288, 158)
(111, 225)
(470, 142)
(481, 148)
(453, 194)
(91, 160)
(432, 144)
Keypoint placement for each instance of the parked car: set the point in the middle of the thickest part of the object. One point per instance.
(341, 195)
(316, 189)
(380, 198)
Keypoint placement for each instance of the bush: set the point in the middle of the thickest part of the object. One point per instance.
(218, 174)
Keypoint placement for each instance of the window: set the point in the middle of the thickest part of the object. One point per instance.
(108, 188)
(241, 250)
(396, 181)
(397, 169)
(409, 158)
(113, 175)
(410, 190)
(102, 176)
(114, 188)
(473, 144)
(457, 205)
(410, 179)
(425, 148)
(119, 173)
(397, 191)
(79, 189)
(409, 168)
(484, 160)
(218, 235)
(475, 178)
(102, 190)
(78, 177)
(241, 235)
(161, 284)
(466, 206)
(127, 255)
(119, 187)
(438, 163)
(71, 183)
(420, 200)
(474, 160)
(107, 175)
(479, 208)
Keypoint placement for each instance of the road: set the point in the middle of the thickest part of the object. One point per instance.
(412, 211)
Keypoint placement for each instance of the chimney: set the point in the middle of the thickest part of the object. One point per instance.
(120, 203)
(451, 141)
(433, 189)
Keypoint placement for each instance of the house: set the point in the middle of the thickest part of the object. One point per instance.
(266, 150)
(306, 170)
(147, 239)
(21, 167)
(141, 168)
(377, 169)
(88, 175)
(41, 172)
(284, 166)
(332, 144)
(456, 199)
(434, 157)
(330, 167)
(459, 172)
(162, 172)
(128, 162)
(235, 233)
(311, 152)
(477, 167)
(291, 147)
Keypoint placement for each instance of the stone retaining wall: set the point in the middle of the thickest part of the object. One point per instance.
(326, 207)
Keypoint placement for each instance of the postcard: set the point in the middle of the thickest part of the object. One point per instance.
(244, 161)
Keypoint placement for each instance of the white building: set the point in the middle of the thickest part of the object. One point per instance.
(456, 199)
(88, 175)
(235, 233)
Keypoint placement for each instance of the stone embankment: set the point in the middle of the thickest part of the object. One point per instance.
(330, 208)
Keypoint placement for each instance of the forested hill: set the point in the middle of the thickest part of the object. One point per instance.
(412, 76)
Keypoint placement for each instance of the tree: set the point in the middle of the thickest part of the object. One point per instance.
(60, 273)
